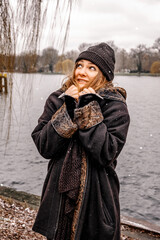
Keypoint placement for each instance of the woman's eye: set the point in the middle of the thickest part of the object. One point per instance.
(92, 68)
(79, 65)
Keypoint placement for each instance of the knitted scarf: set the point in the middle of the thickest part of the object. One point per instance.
(69, 181)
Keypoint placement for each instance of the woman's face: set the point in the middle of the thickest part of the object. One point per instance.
(85, 72)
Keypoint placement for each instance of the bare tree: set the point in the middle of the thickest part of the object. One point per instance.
(156, 46)
(26, 63)
(112, 45)
(83, 46)
(138, 56)
(49, 58)
(121, 61)
(72, 55)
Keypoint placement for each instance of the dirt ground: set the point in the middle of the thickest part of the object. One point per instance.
(16, 220)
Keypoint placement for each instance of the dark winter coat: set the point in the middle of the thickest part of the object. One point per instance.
(100, 126)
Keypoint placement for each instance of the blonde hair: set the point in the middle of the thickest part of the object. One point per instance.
(99, 82)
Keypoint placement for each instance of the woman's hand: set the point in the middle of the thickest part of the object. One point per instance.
(86, 91)
(73, 92)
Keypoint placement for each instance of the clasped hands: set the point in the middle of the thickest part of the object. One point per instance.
(74, 92)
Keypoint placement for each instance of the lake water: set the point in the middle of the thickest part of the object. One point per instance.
(139, 163)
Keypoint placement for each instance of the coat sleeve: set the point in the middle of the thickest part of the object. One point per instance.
(104, 137)
(54, 128)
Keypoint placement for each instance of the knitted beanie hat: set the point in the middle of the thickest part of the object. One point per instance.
(102, 55)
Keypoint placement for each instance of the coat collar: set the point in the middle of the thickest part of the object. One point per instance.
(115, 93)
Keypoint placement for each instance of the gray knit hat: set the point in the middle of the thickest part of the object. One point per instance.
(102, 55)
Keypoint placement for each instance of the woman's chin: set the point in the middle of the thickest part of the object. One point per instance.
(82, 86)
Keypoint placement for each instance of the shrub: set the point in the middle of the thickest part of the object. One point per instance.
(155, 67)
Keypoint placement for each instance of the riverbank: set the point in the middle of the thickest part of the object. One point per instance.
(116, 74)
(18, 211)
(16, 220)
(137, 74)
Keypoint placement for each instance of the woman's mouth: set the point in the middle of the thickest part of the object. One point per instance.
(82, 81)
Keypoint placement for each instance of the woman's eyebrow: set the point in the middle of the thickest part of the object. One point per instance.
(91, 63)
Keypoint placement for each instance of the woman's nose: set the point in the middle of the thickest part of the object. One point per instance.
(82, 71)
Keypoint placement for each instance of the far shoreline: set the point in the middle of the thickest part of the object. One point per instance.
(116, 73)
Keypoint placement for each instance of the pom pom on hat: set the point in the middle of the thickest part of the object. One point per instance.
(102, 55)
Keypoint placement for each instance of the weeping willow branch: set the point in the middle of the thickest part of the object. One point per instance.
(26, 26)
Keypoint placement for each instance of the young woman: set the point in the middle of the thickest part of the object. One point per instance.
(82, 131)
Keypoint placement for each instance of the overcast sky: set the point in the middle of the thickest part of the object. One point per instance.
(126, 22)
